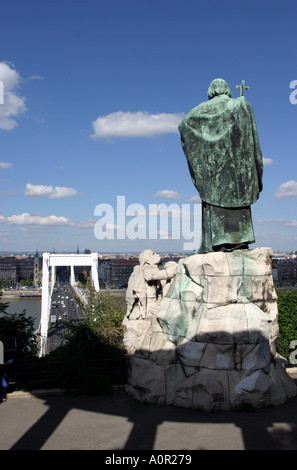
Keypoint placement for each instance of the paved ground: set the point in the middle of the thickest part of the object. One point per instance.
(117, 422)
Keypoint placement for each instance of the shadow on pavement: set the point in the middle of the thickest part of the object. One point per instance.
(264, 429)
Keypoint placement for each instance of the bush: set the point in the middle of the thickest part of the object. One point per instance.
(20, 327)
(104, 314)
(86, 363)
(287, 320)
(92, 358)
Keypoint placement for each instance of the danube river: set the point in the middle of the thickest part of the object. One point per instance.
(31, 305)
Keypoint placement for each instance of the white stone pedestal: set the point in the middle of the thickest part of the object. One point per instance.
(211, 344)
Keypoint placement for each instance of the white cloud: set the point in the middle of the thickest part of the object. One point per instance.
(195, 199)
(293, 223)
(9, 76)
(35, 77)
(267, 161)
(168, 194)
(28, 219)
(286, 223)
(60, 191)
(5, 165)
(13, 105)
(272, 221)
(86, 224)
(162, 210)
(268, 221)
(138, 124)
(288, 189)
(37, 190)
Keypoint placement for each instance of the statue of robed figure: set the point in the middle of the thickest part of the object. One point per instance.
(220, 140)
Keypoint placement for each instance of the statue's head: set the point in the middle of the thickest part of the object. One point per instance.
(218, 87)
(149, 257)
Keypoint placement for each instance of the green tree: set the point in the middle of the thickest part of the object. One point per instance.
(5, 283)
(104, 313)
(21, 327)
(3, 305)
(287, 320)
(92, 358)
(27, 282)
(85, 363)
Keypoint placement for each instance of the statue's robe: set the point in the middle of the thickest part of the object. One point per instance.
(220, 140)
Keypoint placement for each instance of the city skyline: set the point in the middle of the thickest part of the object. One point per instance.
(93, 92)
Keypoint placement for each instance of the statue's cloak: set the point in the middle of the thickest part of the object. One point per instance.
(220, 140)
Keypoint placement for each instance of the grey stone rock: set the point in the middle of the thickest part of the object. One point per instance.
(211, 342)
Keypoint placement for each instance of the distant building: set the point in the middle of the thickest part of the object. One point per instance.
(8, 270)
(16, 268)
(284, 271)
(274, 271)
(287, 272)
(25, 268)
(115, 270)
(115, 273)
(37, 276)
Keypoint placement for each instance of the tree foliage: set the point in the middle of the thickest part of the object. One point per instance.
(104, 314)
(92, 357)
(287, 320)
(85, 363)
(21, 327)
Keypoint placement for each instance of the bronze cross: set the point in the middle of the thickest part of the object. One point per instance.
(242, 87)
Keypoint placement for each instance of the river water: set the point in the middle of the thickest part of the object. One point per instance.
(31, 305)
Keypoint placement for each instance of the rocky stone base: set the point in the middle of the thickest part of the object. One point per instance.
(211, 344)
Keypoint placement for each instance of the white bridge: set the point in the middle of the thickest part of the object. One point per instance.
(50, 262)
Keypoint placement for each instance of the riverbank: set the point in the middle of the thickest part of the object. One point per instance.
(17, 293)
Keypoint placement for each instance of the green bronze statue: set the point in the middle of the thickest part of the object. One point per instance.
(220, 140)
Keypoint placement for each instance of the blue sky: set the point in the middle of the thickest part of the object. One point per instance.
(93, 92)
